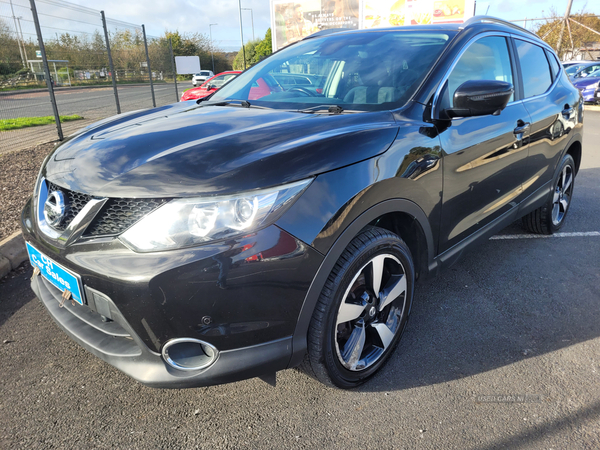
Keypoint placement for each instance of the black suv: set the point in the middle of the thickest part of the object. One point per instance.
(272, 226)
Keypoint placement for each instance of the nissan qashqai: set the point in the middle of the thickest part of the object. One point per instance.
(275, 225)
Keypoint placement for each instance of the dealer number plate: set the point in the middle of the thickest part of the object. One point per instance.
(60, 277)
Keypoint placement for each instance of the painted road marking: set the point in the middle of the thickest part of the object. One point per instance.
(544, 236)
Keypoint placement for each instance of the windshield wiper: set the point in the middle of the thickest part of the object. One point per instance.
(331, 109)
(203, 99)
(242, 103)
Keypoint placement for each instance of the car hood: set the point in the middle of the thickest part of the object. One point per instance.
(187, 150)
(582, 83)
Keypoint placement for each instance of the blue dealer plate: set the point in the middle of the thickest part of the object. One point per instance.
(55, 273)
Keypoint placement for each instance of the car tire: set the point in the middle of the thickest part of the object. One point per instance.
(359, 318)
(549, 218)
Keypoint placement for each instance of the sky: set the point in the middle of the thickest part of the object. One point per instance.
(194, 16)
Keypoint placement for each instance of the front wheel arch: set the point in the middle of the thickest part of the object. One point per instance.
(393, 206)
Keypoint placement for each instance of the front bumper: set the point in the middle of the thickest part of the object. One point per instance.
(242, 296)
(117, 343)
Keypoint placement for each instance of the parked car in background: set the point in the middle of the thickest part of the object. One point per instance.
(209, 86)
(201, 77)
(572, 69)
(261, 87)
(588, 86)
(265, 228)
(577, 71)
(567, 64)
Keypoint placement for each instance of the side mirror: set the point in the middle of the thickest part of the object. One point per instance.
(480, 98)
(208, 87)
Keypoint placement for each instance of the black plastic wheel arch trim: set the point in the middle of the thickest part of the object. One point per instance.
(299, 342)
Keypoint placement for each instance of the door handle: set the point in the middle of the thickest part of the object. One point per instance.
(567, 111)
(522, 128)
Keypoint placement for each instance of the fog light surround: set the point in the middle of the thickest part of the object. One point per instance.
(189, 354)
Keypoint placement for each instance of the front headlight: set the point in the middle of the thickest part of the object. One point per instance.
(191, 221)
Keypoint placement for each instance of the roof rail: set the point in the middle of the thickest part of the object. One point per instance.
(481, 19)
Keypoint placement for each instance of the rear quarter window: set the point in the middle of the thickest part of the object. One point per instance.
(556, 67)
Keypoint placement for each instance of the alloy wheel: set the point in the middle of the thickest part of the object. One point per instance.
(562, 195)
(371, 311)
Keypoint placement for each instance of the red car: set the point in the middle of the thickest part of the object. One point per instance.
(209, 86)
(260, 88)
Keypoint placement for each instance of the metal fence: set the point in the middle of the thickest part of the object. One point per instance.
(61, 59)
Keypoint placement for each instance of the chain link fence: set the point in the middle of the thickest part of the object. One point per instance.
(88, 68)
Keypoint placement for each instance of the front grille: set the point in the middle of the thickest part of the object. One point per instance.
(118, 214)
(75, 200)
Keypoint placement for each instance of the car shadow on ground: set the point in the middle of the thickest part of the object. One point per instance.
(507, 301)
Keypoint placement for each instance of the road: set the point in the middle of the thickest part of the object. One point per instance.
(502, 351)
(91, 103)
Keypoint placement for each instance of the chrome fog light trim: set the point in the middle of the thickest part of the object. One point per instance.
(189, 354)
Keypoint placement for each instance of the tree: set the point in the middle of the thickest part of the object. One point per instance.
(188, 44)
(264, 47)
(255, 51)
(10, 57)
(581, 37)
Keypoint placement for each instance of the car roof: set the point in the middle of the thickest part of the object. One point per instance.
(408, 28)
(479, 23)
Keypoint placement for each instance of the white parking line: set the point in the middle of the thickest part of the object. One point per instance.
(544, 236)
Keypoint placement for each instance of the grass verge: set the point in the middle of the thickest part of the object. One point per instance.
(24, 122)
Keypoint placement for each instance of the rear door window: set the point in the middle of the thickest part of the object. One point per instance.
(534, 68)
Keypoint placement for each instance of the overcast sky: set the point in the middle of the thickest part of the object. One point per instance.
(196, 15)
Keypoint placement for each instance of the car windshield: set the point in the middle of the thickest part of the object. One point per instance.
(362, 71)
(221, 80)
(571, 70)
(595, 73)
(586, 71)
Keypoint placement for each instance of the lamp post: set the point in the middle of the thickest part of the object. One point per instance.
(211, 45)
(252, 18)
(22, 39)
(242, 33)
(17, 33)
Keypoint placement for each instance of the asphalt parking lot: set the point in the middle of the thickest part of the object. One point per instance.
(502, 351)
